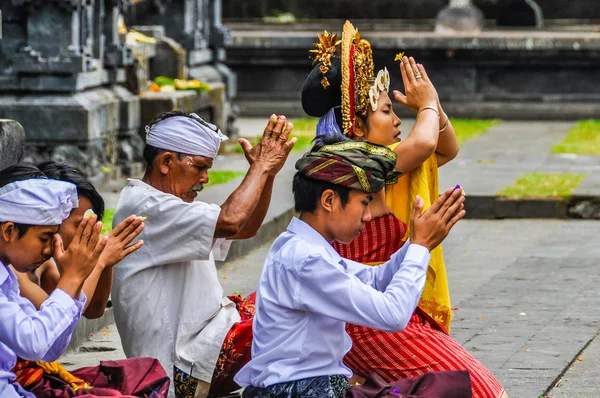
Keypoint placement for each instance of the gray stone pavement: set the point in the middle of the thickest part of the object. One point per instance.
(526, 299)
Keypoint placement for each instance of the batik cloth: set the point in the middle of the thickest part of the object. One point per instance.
(357, 165)
(322, 387)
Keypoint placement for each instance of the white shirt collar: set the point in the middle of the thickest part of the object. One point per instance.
(4, 273)
(304, 230)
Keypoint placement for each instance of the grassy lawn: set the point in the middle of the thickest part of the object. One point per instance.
(583, 139)
(543, 185)
(215, 177)
(467, 129)
(304, 131)
(305, 128)
(107, 220)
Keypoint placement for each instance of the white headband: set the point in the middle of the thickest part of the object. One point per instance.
(38, 201)
(189, 135)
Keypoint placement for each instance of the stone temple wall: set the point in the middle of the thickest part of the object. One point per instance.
(501, 10)
(12, 139)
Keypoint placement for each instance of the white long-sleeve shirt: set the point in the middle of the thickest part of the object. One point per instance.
(307, 293)
(29, 333)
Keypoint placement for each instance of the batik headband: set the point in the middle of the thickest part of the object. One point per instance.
(357, 165)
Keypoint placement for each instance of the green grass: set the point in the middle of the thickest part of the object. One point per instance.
(306, 127)
(583, 139)
(543, 185)
(467, 129)
(216, 177)
(107, 220)
(304, 131)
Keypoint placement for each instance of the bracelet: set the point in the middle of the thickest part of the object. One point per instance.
(445, 124)
(428, 107)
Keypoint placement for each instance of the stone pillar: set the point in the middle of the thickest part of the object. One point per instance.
(196, 26)
(459, 16)
(59, 79)
(12, 139)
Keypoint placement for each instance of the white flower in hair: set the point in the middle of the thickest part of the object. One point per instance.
(382, 83)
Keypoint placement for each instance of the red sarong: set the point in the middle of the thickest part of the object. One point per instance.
(236, 350)
(424, 346)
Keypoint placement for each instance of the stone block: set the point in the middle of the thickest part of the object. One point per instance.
(64, 118)
(208, 105)
(542, 208)
(170, 60)
(12, 139)
(584, 208)
(480, 207)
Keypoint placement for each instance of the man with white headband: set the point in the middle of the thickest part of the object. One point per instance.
(167, 298)
(31, 210)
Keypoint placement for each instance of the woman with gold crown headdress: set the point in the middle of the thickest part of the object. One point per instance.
(351, 99)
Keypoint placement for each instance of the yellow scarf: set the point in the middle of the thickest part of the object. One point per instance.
(400, 197)
(55, 368)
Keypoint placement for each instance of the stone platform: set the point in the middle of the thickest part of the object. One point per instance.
(523, 75)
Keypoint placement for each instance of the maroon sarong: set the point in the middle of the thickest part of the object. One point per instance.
(453, 384)
(126, 378)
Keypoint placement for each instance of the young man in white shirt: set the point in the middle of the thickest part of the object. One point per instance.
(31, 209)
(307, 292)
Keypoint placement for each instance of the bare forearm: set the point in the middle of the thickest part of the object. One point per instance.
(97, 288)
(421, 143)
(241, 204)
(447, 146)
(257, 217)
(30, 290)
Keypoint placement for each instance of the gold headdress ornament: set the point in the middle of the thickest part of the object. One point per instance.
(359, 85)
(325, 49)
(357, 75)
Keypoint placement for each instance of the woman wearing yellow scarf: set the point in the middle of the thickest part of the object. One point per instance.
(350, 98)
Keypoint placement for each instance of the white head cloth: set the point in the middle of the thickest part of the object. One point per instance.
(37, 201)
(189, 135)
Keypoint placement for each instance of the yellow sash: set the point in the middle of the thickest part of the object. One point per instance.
(55, 368)
(400, 197)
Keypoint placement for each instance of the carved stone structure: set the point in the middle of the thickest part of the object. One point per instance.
(12, 139)
(244, 10)
(459, 16)
(60, 65)
(497, 74)
(196, 26)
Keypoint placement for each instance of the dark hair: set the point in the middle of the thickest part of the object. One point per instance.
(64, 172)
(151, 152)
(318, 100)
(307, 192)
(19, 172)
